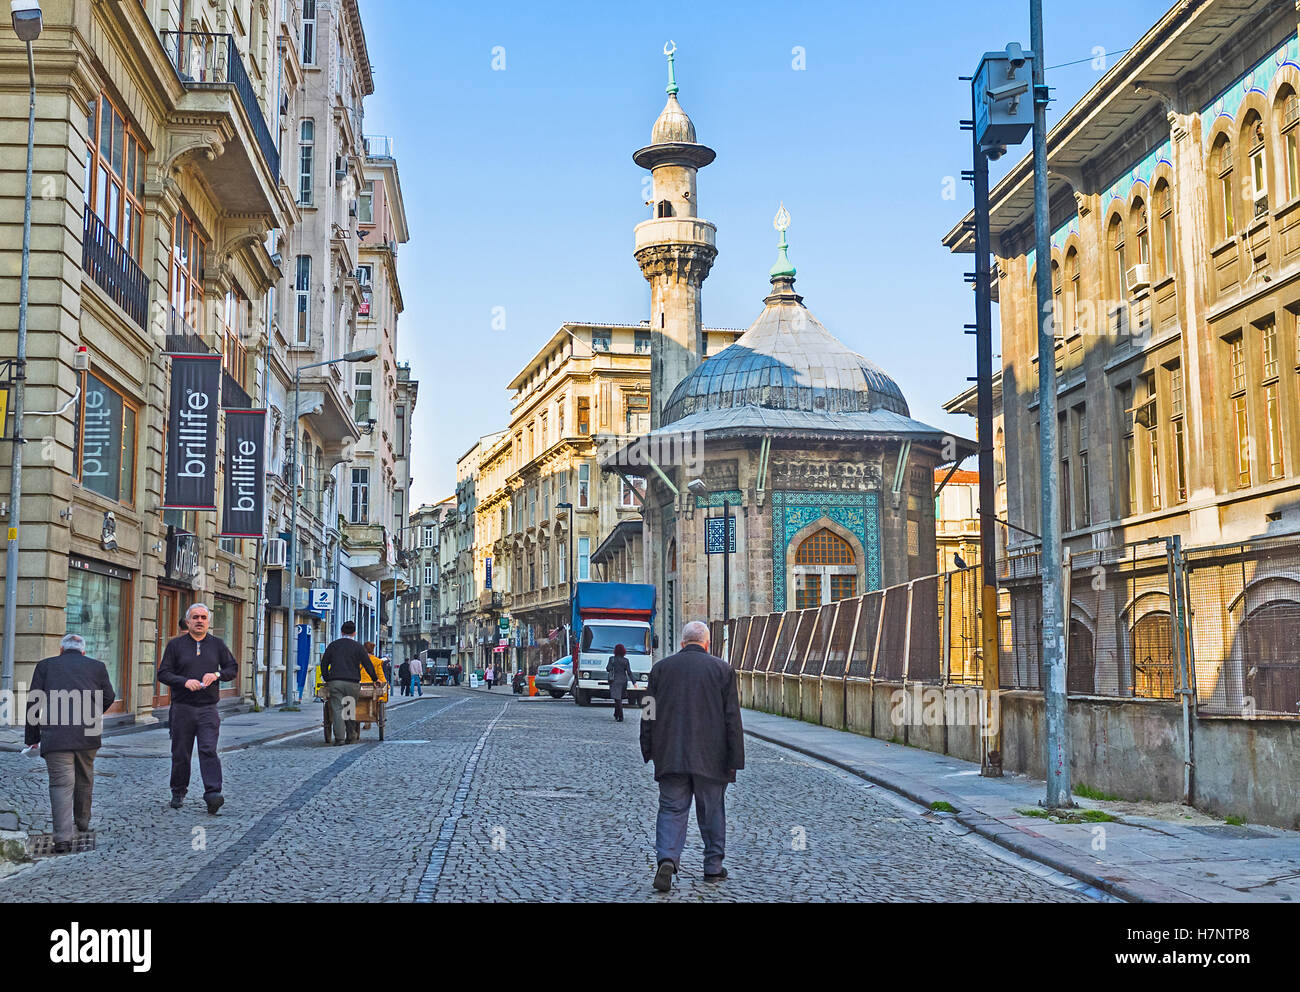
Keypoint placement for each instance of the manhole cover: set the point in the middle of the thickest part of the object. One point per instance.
(1229, 832)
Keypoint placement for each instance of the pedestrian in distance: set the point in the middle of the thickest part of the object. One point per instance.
(192, 666)
(417, 677)
(66, 702)
(619, 671)
(487, 676)
(404, 677)
(340, 668)
(387, 663)
(691, 730)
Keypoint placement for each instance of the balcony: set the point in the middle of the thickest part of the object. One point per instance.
(367, 548)
(233, 396)
(113, 269)
(378, 146)
(212, 72)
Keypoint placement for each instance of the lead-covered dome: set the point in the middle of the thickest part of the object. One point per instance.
(787, 360)
(673, 125)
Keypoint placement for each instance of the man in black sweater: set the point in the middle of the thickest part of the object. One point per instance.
(191, 667)
(340, 670)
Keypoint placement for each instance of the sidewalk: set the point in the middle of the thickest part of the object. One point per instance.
(240, 728)
(1150, 853)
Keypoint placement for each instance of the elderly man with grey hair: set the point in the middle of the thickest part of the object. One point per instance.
(192, 667)
(691, 730)
(66, 702)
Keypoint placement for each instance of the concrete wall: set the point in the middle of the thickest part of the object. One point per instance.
(1130, 748)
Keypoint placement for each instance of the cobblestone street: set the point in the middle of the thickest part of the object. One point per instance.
(477, 797)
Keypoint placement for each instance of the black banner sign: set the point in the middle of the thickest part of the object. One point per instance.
(243, 513)
(191, 482)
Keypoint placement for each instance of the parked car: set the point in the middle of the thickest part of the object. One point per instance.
(556, 678)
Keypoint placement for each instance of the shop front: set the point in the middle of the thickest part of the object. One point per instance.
(99, 610)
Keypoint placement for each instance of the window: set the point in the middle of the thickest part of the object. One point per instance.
(1129, 486)
(308, 32)
(428, 611)
(1178, 431)
(302, 293)
(1117, 253)
(532, 571)
(361, 401)
(532, 507)
(428, 573)
(1165, 212)
(642, 342)
(428, 535)
(115, 174)
(1063, 433)
(564, 487)
(1221, 166)
(584, 415)
(600, 341)
(1143, 235)
(546, 568)
(399, 442)
(631, 492)
(1240, 417)
(189, 254)
(561, 560)
(1254, 136)
(1291, 142)
(234, 356)
(825, 569)
(364, 276)
(1085, 484)
(306, 162)
(559, 419)
(1071, 315)
(366, 204)
(1273, 415)
(637, 407)
(584, 485)
(544, 435)
(360, 496)
(584, 559)
(105, 441)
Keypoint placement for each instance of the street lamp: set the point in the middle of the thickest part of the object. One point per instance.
(699, 489)
(26, 15)
(569, 619)
(291, 564)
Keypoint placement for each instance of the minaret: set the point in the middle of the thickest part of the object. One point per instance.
(675, 249)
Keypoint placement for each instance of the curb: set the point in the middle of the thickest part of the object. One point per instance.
(1045, 852)
(281, 735)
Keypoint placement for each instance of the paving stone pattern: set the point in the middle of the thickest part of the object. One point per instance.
(556, 806)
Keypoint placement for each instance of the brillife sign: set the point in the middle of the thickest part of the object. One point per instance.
(242, 510)
(191, 477)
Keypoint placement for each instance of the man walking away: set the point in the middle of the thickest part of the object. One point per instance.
(417, 676)
(694, 736)
(340, 668)
(404, 677)
(619, 672)
(66, 703)
(191, 667)
(387, 662)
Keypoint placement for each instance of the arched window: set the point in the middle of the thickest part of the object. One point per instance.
(1252, 133)
(1153, 656)
(1270, 658)
(1118, 266)
(1058, 304)
(1071, 292)
(665, 209)
(1165, 228)
(1287, 113)
(1225, 225)
(1080, 677)
(1138, 223)
(825, 570)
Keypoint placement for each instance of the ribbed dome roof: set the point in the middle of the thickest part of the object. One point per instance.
(787, 360)
(673, 125)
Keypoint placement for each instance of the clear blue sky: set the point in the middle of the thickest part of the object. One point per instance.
(521, 191)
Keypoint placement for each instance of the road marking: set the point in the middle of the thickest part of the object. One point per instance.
(438, 856)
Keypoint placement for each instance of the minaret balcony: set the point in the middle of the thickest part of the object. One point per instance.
(676, 230)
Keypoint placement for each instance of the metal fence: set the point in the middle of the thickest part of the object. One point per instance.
(1146, 621)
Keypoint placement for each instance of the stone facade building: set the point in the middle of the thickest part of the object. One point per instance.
(421, 602)
(1175, 258)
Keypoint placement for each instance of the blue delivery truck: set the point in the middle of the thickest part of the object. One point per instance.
(606, 614)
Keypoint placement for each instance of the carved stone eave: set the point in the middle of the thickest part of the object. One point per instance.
(686, 261)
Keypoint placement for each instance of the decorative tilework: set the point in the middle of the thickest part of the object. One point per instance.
(858, 513)
(716, 499)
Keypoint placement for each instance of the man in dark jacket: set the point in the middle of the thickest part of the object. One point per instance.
(691, 730)
(66, 703)
(191, 667)
(340, 670)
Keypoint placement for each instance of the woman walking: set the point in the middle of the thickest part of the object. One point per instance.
(619, 672)
(489, 675)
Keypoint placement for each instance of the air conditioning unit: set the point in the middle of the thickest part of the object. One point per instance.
(277, 551)
(307, 569)
(352, 209)
(1261, 202)
(1139, 277)
(1144, 414)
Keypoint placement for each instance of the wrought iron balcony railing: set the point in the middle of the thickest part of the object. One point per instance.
(206, 61)
(108, 262)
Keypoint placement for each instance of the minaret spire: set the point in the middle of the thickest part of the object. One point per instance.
(669, 50)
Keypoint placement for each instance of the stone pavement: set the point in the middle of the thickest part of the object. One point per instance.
(487, 797)
(1154, 853)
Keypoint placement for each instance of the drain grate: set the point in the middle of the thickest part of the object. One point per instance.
(42, 845)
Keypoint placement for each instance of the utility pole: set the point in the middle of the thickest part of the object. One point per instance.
(1057, 754)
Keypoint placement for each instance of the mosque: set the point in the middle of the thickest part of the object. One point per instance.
(807, 448)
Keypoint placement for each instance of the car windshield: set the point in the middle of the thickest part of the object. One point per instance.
(600, 639)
